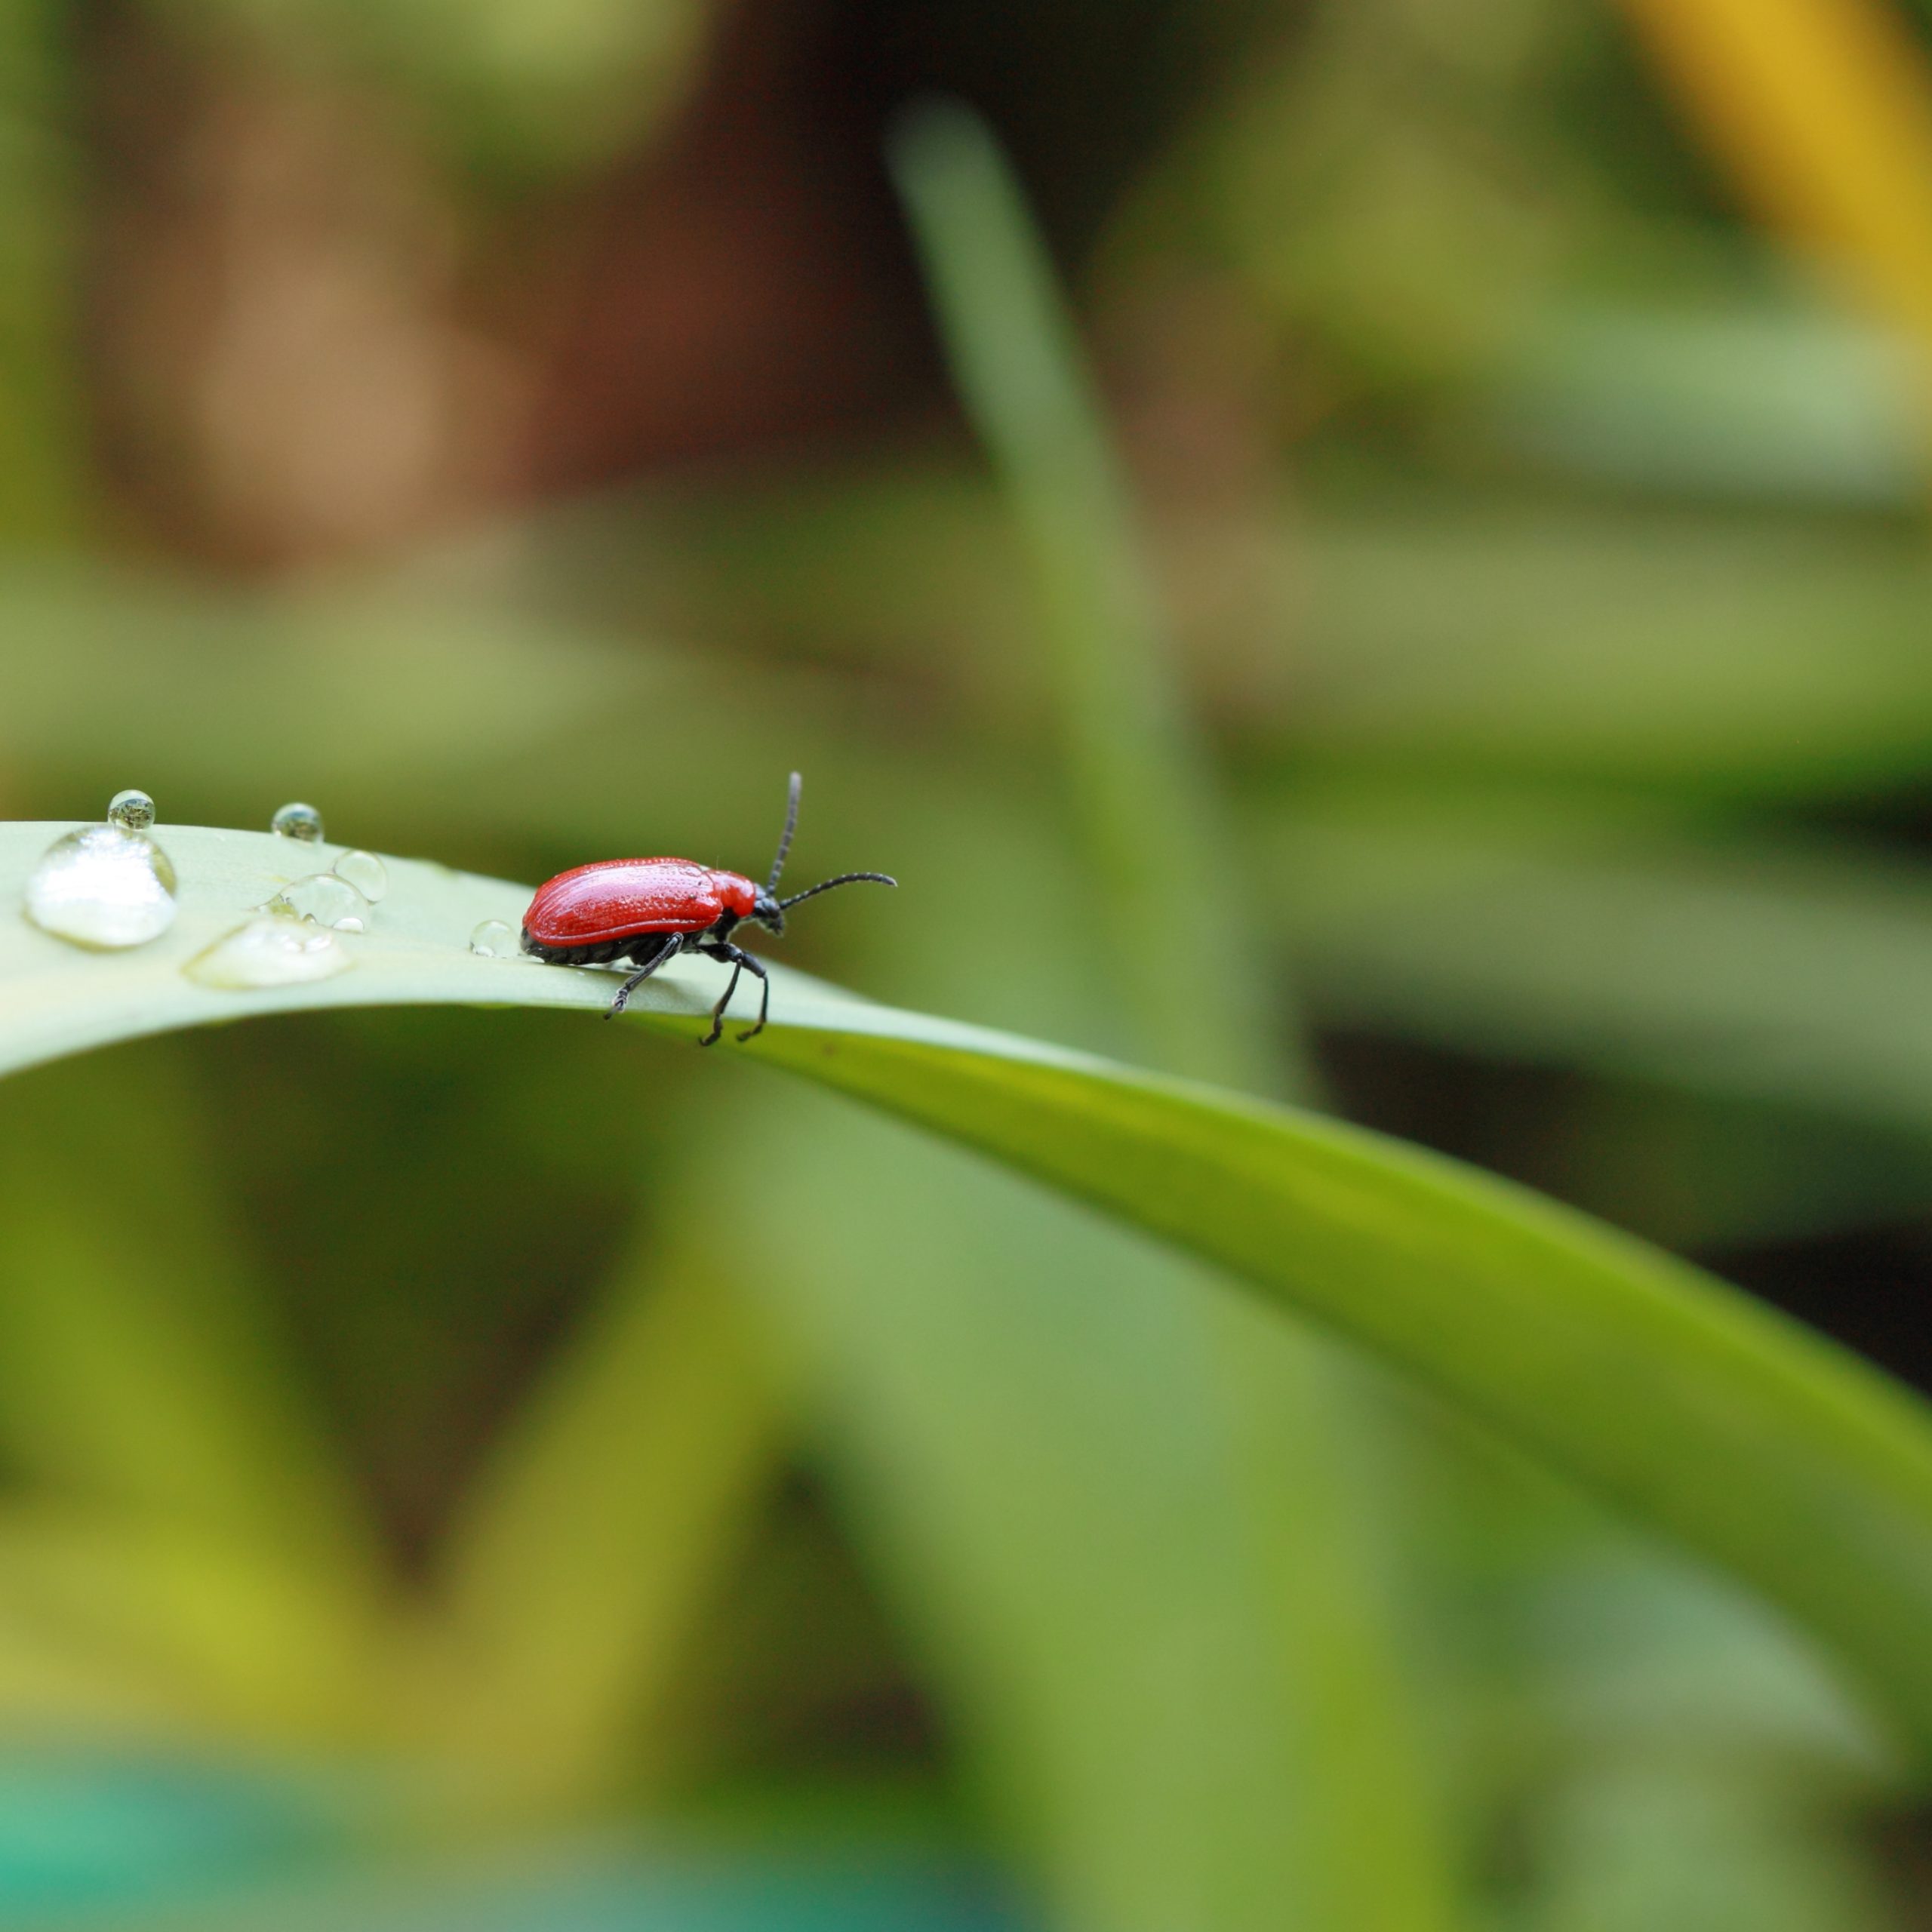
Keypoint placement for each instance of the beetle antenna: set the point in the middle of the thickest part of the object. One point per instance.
(844, 878)
(785, 837)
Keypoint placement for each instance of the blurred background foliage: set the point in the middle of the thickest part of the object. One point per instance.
(1443, 631)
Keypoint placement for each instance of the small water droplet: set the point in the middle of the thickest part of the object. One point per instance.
(132, 811)
(102, 887)
(365, 871)
(492, 940)
(298, 821)
(272, 951)
(324, 898)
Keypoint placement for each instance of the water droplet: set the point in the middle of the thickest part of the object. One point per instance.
(132, 811)
(298, 821)
(365, 871)
(323, 898)
(272, 951)
(492, 940)
(102, 887)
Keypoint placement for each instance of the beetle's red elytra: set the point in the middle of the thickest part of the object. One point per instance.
(648, 911)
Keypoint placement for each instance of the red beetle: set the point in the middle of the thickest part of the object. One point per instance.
(648, 911)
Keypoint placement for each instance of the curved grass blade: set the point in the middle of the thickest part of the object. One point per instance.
(1806, 1472)
(1763, 1448)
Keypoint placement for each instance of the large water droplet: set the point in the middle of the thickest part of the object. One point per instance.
(321, 897)
(492, 940)
(298, 821)
(102, 887)
(273, 950)
(365, 871)
(132, 811)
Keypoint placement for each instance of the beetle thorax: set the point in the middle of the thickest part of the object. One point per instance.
(736, 894)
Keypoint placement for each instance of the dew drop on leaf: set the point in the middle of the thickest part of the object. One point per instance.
(365, 872)
(324, 899)
(297, 820)
(104, 887)
(274, 950)
(492, 940)
(131, 810)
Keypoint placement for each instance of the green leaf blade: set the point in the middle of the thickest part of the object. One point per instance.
(1767, 1451)
(1737, 1432)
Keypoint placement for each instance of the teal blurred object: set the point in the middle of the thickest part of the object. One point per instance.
(160, 1845)
(691, 1892)
(82, 1836)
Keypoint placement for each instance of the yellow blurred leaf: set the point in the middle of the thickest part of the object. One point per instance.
(1822, 111)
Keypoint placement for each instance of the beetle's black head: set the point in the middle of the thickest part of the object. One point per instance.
(767, 911)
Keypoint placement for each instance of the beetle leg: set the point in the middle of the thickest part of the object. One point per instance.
(764, 999)
(673, 942)
(717, 1011)
(739, 962)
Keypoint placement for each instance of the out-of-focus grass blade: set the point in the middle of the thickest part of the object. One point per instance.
(1701, 1172)
(1822, 110)
(1626, 1667)
(536, 744)
(1159, 853)
(135, 1367)
(1760, 1447)
(1695, 659)
(1139, 780)
(1702, 657)
(1693, 1768)
(1759, 404)
(1770, 973)
(1631, 1845)
(356, 683)
(1692, 658)
(126, 1629)
(583, 1561)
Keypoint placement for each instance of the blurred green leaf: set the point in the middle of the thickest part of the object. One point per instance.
(585, 1559)
(1765, 403)
(1410, 633)
(1349, 180)
(1761, 970)
(1138, 779)
(1571, 647)
(124, 1629)
(135, 1367)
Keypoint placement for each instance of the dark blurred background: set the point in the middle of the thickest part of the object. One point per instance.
(465, 1470)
